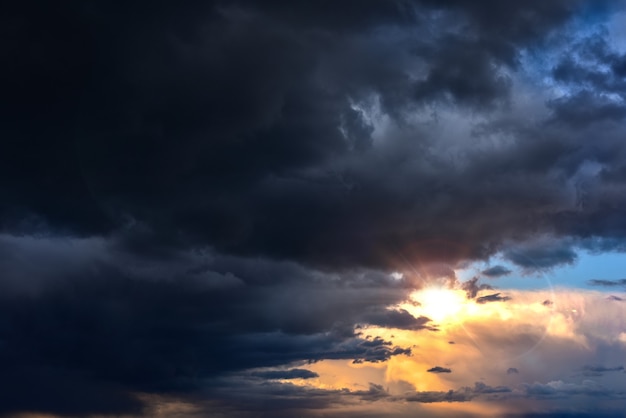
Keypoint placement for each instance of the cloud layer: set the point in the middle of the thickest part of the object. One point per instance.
(208, 205)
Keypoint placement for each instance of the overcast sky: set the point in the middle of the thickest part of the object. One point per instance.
(385, 208)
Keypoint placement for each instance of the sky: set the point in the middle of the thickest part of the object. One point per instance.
(238, 208)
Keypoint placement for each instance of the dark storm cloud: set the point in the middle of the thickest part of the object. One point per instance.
(198, 189)
(242, 125)
(584, 68)
(496, 271)
(104, 324)
(475, 84)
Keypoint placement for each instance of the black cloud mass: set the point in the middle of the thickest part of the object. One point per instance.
(199, 198)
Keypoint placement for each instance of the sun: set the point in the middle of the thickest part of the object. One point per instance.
(440, 304)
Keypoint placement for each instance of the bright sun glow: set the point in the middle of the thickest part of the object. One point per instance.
(440, 304)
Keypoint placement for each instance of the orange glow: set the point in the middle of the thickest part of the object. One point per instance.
(477, 342)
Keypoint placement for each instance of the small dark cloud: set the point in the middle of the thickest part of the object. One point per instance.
(286, 374)
(451, 342)
(512, 370)
(547, 302)
(615, 298)
(607, 283)
(495, 297)
(439, 369)
(472, 287)
(376, 350)
(496, 271)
